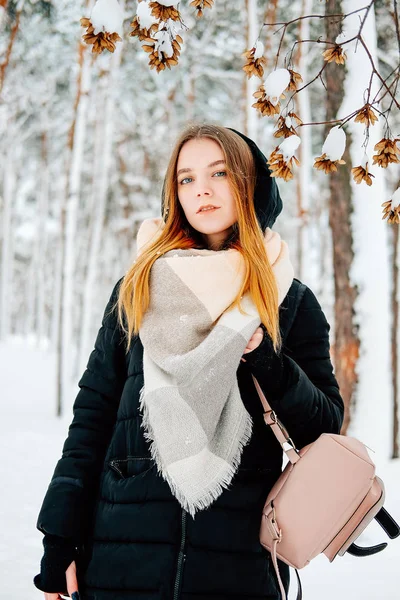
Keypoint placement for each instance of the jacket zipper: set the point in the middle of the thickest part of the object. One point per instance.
(114, 465)
(181, 557)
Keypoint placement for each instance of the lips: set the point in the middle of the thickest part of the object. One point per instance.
(210, 210)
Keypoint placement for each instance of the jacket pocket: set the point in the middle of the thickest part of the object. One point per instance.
(131, 466)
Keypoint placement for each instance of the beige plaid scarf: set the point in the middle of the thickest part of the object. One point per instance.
(193, 415)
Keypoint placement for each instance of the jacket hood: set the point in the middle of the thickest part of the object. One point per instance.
(267, 201)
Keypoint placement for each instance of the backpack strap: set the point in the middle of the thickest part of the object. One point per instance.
(287, 319)
(387, 523)
(389, 526)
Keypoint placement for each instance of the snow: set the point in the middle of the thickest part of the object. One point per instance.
(163, 43)
(143, 13)
(365, 161)
(167, 3)
(31, 441)
(395, 198)
(289, 146)
(275, 84)
(259, 51)
(107, 15)
(335, 144)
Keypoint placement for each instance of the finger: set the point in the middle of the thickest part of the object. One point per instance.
(72, 582)
(51, 596)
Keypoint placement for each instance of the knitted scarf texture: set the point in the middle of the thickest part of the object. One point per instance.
(193, 415)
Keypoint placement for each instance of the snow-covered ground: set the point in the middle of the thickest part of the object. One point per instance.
(31, 440)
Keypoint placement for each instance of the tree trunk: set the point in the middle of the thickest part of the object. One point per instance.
(69, 225)
(3, 6)
(44, 214)
(270, 17)
(394, 336)
(347, 344)
(13, 35)
(35, 323)
(105, 121)
(250, 85)
(6, 244)
(304, 152)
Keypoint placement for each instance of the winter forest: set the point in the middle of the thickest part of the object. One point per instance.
(92, 98)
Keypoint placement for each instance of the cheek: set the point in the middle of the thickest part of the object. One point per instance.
(230, 199)
(184, 201)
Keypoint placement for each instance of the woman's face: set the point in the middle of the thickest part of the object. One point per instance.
(202, 180)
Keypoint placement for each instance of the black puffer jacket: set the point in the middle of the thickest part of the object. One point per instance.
(106, 494)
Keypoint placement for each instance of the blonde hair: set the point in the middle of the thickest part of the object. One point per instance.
(247, 237)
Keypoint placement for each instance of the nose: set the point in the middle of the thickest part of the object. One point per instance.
(203, 190)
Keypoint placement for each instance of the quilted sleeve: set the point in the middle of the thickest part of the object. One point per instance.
(68, 501)
(300, 384)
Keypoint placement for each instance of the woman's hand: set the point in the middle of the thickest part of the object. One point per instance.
(72, 584)
(254, 341)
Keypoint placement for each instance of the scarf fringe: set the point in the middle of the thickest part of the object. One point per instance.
(210, 495)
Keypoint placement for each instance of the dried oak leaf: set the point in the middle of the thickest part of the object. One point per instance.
(163, 13)
(295, 79)
(362, 174)
(387, 151)
(336, 54)
(253, 66)
(284, 129)
(366, 115)
(392, 215)
(143, 34)
(264, 105)
(280, 167)
(102, 40)
(200, 5)
(323, 163)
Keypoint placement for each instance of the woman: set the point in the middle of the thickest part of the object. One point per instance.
(167, 464)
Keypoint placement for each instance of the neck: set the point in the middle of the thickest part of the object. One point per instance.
(215, 241)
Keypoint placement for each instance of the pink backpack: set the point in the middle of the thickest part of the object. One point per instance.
(325, 497)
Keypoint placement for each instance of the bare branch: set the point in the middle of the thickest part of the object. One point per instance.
(388, 87)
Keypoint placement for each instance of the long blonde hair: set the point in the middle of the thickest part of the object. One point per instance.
(247, 237)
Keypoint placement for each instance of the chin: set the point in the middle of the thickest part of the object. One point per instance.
(211, 228)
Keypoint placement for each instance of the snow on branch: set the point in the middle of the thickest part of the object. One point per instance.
(156, 24)
(285, 83)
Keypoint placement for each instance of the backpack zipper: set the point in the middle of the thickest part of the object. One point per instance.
(181, 557)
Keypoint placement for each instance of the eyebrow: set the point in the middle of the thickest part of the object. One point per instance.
(187, 170)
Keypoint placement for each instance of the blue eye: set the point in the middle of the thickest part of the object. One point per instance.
(184, 179)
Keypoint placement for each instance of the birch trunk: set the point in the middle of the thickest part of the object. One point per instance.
(109, 88)
(304, 247)
(6, 243)
(394, 335)
(370, 268)
(41, 276)
(36, 288)
(69, 227)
